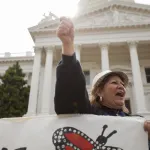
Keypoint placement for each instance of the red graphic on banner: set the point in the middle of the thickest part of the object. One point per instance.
(69, 138)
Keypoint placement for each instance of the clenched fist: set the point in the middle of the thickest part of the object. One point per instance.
(65, 32)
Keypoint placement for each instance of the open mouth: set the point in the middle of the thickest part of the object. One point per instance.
(121, 94)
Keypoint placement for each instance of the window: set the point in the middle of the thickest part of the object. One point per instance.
(87, 77)
(147, 72)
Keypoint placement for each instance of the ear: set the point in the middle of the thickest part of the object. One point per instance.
(99, 92)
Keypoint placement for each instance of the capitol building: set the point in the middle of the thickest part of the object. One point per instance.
(109, 34)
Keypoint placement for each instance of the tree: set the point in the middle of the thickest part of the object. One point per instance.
(14, 93)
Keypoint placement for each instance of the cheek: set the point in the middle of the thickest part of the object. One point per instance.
(111, 90)
(109, 93)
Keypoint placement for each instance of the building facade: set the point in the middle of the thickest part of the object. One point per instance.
(109, 34)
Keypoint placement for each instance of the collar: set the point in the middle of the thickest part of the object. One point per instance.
(112, 112)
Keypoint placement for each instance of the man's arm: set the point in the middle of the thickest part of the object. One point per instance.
(70, 92)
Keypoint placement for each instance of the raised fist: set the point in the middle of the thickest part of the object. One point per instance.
(65, 31)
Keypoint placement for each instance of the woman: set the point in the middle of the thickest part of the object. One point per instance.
(108, 88)
(108, 93)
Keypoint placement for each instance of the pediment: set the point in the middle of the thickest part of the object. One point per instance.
(45, 25)
(111, 16)
(114, 17)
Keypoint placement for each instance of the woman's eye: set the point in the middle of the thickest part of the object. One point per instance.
(114, 82)
(123, 84)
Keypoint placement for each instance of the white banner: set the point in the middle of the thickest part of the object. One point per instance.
(73, 132)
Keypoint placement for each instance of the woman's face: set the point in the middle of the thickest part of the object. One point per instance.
(113, 93)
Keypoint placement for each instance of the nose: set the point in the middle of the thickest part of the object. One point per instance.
(121, 87)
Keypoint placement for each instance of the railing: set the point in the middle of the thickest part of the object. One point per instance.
(21, 54)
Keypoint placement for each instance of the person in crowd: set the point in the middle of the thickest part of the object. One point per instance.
(71, 96)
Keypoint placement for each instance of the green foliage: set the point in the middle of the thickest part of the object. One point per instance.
(14, 93)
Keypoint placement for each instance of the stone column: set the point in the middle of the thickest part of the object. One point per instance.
(139, 96)
(78, 52)
(47, 85)
(104, 56)
(41, 79)
(32, 106)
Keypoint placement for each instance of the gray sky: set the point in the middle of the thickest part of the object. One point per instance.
(18, 15)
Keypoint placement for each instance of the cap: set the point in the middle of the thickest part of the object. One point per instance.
(104, 74)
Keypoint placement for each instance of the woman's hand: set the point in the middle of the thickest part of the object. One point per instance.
(65, 32)
(147, 128)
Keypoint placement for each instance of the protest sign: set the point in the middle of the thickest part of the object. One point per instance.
(73, 132)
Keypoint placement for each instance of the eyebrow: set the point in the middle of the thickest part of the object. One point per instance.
(117, 81)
